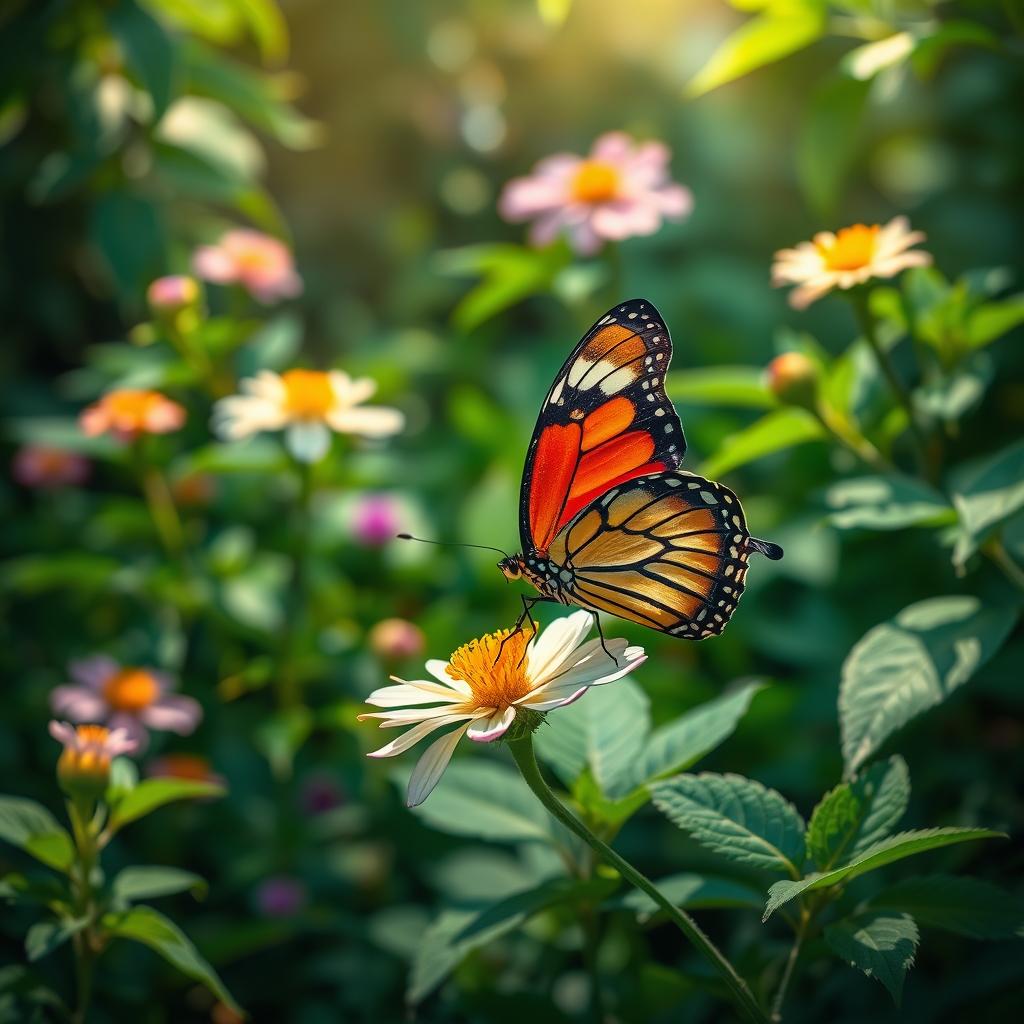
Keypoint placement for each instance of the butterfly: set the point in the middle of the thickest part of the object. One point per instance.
(607, 520)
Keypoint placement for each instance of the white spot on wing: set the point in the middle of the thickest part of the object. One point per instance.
(557, 393)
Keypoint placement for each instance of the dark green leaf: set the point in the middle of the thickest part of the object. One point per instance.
(693, 892)
(46, 936)
(149, 881)
(985, 496)
(993, 320)
(881, 944)
(886, 503)
(148, 51)
(32, 828)
(772, 433)
(152, 794)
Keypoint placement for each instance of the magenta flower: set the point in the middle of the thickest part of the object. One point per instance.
(280, 896)
(259, 263)
(621, 190)
(126, 698)
(38, 465)
(375, 520)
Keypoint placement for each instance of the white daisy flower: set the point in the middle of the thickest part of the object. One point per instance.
(307, 405)
(848, 258)
(487, 682)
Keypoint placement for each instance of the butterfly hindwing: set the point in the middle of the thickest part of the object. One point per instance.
(606, 420)
(668, 551)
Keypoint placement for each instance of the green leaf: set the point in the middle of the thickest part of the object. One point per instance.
(607, 733)
(991, 321)
(152, 794)
(772, 433)
(46, 936)
(151, 928)
(32, 828)
(931, 49)
(148, 51)
(149, 881)
(783, 29)
(859, 813)
(880, 944)
(735, 817)
(966, 906)
(693, 892)
(487, 801)
(886, 503)
(268, 26)
(830, 139)
(675, 747)
(887, 851)
(985, 496)
(741, 386)
(129, 232)
(903, 667)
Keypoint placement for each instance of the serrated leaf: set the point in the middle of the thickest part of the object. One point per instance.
(151, 928)
(881, 944)
(859, 813)
(741, 386)
(886, 503)
(487, 801)
(152, 794)
(966, 906)
(149, 881)
(735, 817)
(32, 828)
(986, 496)
(887, 851)
(605, 732)
(678, 745)
(903, 667)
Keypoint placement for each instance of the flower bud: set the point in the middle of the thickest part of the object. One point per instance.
(172, 293)
(392, 639)
(793, 379)
(83, 768)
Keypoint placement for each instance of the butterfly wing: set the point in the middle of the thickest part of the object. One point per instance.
(668, 551)
(606, 420)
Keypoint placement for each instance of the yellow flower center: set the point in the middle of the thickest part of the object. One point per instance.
(90, 758)
(853, 248)
(308, 393)
(131, 690)
(495, 679)
(129, 407)
(596, 182)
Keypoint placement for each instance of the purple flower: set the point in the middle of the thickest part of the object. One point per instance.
(38, 465)
(125, 697)
(621, 190)
(375, 520)
(320, 793)
(280, 896)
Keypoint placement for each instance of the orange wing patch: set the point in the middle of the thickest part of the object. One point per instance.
(555, 462)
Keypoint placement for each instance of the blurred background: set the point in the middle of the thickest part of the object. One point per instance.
(375, 138)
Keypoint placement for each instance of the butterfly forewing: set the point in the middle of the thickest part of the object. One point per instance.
(606, 420)
(668, 551)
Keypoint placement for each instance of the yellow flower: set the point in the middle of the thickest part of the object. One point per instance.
(84, 765)
(848, 258)
(128, 412)
(487, 682)
(307, 405)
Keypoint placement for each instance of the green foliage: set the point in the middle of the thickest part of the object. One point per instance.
(887, 503)
(32, 828)
(905, 666)
(986, 497)
(152, 794)
(881, 944)
(146, 882)
(775, 432)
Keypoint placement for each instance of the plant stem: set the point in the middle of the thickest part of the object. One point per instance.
(740, 994)
(787, 973)
(289, 690)
(996, 550)
(868, 327)
(851, 438)
(84, 949)
(160, 502)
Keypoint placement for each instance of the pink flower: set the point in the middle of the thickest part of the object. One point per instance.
(375, 520)
(621, 190)
(125, 697)
(396, 638)
(39, 465)
(128, 412)
(172, 293)
(259, 263)
(84, 765)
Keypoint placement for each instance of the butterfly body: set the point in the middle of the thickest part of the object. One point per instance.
(608, 522)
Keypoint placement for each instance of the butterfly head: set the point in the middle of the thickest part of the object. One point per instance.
(512, 567)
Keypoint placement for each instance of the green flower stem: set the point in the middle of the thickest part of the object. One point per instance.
(996, 550)
(789, 969)
(84, 944)
(289, 688)
(740, 994)
(850, 438)
(160, 502)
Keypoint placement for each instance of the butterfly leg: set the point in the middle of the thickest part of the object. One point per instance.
(600, 633)
(524, 616)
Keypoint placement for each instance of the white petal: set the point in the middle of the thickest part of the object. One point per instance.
(414, 735)
(590, 666)
(404, 716)
(417, 691)
(557, 697)
(486, 730)
(372, 421)
(351, 392)
(308, 440)
(431, 765)
(439, 670)
(549, 650)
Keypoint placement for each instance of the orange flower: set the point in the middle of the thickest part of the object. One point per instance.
(129, 412)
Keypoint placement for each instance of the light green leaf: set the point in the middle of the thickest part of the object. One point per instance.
(783, 29)
(606, 732)
(46, 936)
(32, 828)
(887, 851)
(148, 51)
(866, 61)
(772, 433)
(991, 321)
(266, 22)
(830, 139)
(859, 813)
(966, 906)
(152, 794)
(692, 892)
(741, 386)
(985, 496)
(487, 801)
(735, 817)
(151, 928)
(675, 747)
(881, 944)
(145, 882)
(903, 667)
(886, 503)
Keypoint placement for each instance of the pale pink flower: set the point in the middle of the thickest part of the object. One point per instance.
(259, 263)
(128, 412)
(396, 638)
(125, 697)
(172, 293)
(620, 190)
(39, 465)
(488, 682)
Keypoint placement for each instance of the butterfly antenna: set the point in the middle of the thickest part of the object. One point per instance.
(453, 544)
